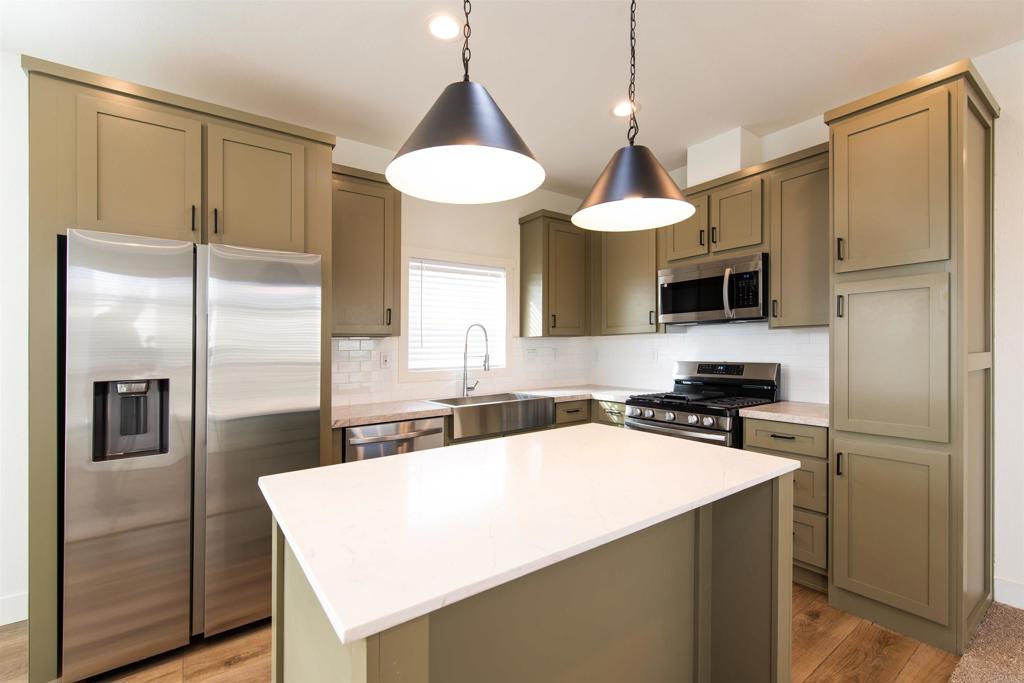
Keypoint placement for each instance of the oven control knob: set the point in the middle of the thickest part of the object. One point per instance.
(670, 417)
(708, 421)
(648, 413)
(692, 419)
(633, 412)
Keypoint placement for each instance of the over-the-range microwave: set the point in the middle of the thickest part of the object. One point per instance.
(717, 291)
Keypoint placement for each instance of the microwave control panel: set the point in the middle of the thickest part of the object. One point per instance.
(745, 290)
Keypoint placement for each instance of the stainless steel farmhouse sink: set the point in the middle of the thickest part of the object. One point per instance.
(495, 414)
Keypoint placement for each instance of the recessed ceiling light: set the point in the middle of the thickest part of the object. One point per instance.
(443, 27)
(622, 109)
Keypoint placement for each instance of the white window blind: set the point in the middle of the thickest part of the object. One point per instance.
(446, 298)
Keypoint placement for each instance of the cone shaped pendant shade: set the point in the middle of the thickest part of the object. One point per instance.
(634, 192)
(465, 151)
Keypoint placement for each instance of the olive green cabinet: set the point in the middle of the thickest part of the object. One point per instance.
(799, 245)
(891, 525)
(890, 340)
(608, 412)
(366, 252)
(625, 286)
(892, 172)
(735, 214)
(691, 237)
(139, 169)
(255, 189)
(553, 276)
(911, 362)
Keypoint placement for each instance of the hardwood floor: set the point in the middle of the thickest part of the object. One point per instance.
(828, 646)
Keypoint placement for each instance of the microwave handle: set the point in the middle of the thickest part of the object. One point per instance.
(725, 293)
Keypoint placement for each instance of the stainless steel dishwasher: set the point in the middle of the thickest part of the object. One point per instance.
(392, 438)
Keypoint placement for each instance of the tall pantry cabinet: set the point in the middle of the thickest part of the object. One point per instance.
(119, 157)
(911, 346)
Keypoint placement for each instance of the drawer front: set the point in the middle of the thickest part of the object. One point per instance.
(572, 411)
(810, 484)
(809, 538)
(608, 412)
(786, 437)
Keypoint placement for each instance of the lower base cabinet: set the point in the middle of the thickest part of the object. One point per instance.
(809, 445)
(890, 525)
(608, 412)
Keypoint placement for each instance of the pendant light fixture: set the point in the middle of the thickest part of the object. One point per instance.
(634, 192)
(465, 151)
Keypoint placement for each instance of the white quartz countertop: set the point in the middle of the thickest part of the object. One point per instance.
(372, 413)
(387, 540)
(794, 412)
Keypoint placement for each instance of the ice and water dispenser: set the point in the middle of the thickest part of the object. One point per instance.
(130, 418)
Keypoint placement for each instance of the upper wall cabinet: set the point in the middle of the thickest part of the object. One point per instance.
(553, 276)
(625, 289)
(255, 190)
(366, 215)
(735, 211)
(891, 175)
(799, 255)
(691, 237)
(139, 170)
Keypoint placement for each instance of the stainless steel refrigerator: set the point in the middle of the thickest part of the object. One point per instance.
(190, 371)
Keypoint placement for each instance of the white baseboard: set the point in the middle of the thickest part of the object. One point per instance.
(13, 608)
(1009, 592)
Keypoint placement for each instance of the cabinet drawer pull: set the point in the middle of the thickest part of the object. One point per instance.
(787, 437)
(193, 218)
(702, 237)
(840, 254)
(387, 316)
(839, 464)
(572, 410)
(650, 318)
(714, 235)
(554, 321)
(613, 412)
(775, 308)
(839, 306)
(215, 221)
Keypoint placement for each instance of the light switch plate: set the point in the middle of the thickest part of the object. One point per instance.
(385, 360)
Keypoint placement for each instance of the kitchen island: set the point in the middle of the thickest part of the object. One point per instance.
(587, 553)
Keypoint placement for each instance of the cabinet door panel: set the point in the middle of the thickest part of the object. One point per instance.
(799, 244)
(891, 174)
(689, 238)
(628, 282)
(809, 538)
(256, 185)
(735, 211)
(567, 275)
(891, 347)
(139, 170)
(891, 525)
(364, 252)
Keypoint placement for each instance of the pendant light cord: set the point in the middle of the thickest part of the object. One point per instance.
(467, 7)
(634, 128)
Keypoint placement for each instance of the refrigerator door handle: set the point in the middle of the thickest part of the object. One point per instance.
(202, 269)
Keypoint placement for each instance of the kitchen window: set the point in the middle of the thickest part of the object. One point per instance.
(444, 299)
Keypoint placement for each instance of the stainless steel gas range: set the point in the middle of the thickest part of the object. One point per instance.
(705, 401)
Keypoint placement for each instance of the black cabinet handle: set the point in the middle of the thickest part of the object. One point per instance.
(215, 221)
(650, 318)
(554, 321)
(839, 306)
(193, 218)
(839, 464)
(387, 317)
(714, 235)
(573, 410)
(775, 308)
(614, 412)
(787, 437)
(702, 237)
(839, 249)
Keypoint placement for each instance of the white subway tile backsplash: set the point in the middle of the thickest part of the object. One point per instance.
(644, 361)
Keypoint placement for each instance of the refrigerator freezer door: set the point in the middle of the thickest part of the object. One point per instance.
(127, 457)
(262, 414)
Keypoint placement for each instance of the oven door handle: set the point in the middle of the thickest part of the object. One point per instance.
(677, 432)
(726, 305)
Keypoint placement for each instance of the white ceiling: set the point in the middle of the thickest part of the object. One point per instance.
(369, 70)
